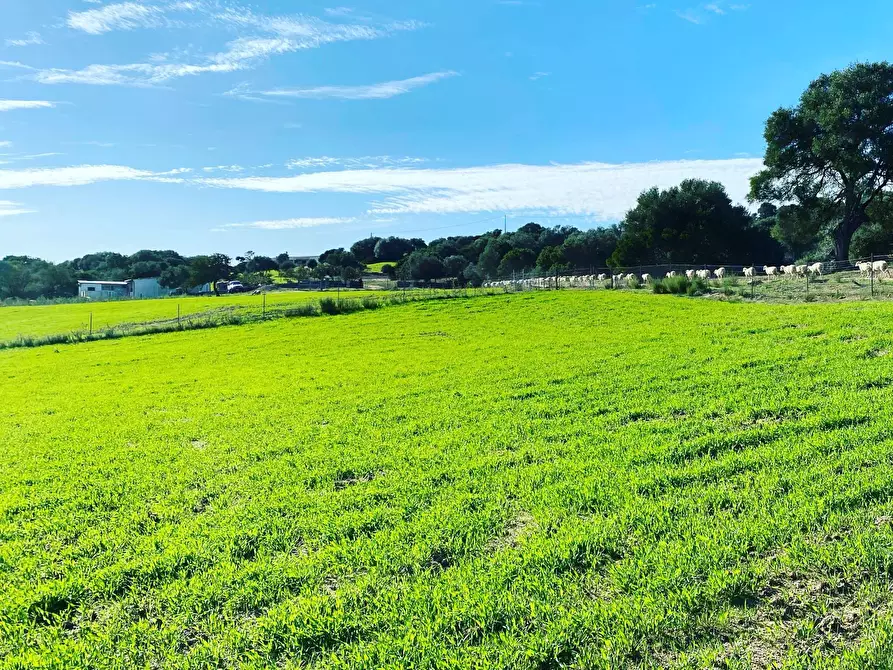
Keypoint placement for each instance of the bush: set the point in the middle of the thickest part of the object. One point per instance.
(370, 302)
(302, 310)
(697, 287)
(680, 286)
(329, 306)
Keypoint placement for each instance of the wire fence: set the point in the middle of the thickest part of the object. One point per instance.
(856, 278)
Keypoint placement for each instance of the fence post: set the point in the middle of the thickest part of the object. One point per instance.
(807, 284)
(91, 323)
(265, 306)
(178, 315)
(871, 275)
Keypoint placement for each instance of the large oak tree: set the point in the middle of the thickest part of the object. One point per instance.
(834, 149)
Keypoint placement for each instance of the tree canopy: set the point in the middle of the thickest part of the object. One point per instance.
(832, 154)
(695, 222)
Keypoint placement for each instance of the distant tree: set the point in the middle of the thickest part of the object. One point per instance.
(551, 258)
(262, 264)
(175, 277)
(287, 268)
(393, 248)
(835, 146)
(364, 250)
(208, 269)
(492, 255)
(532, 229)
(283, 258)
(312, 263)
(590, 248)
(472, 276)
(421, 265)
(340, 258)
(454, 265)
(695, 222)
(516, 260)
(389, 271)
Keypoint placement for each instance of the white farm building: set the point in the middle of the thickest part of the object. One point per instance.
(132, 288)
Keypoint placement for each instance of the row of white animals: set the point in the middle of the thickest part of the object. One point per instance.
(877, 268)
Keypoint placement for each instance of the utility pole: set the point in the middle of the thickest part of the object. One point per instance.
(505, 223)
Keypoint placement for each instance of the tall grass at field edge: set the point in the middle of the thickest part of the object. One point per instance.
(325, 307)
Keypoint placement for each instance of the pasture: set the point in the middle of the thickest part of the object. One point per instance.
(35, 320)
(590, 479)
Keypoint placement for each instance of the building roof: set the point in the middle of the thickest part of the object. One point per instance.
(102, 281)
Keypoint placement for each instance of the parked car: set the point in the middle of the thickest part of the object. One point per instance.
(235, 287)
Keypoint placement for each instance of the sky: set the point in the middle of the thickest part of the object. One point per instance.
(226, 126)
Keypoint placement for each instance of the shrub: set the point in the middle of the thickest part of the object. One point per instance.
(676, 285)
(329, 306)
(308, 309)
(370, 302)
(696, 287)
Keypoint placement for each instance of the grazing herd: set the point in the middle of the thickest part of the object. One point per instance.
(878, 269)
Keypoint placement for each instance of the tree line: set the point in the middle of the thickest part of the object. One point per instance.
(824, 193)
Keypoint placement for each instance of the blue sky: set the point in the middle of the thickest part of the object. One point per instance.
(218, 125)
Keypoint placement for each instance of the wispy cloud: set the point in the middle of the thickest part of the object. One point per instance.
(10, 105)
(80, 175)
(387, 89)
(5, 144)
(30, 39)
(275, 35)
(539, 75)
(701, 14)
(117, 16)
(9, 208)
(288, 224)
(316, 162)
(339, 11)
(603, 191)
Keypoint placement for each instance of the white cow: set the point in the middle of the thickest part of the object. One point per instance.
(602, 277)
(690, 274)
(770, 270)
(646, 278)
(801, 270)
(671, 274)
(720, 273)
(703, 274)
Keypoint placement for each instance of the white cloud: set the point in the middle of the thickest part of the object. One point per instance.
(700, 15)
(31, 38)
(539, 75)
(10, 105)
(288, 224)
(603, 191)
(339, 11)
(79, 175)
(387, 89)
(690, 15)
(9, 208)
(117, 16)
(278, 35)
(314, 162)
(5, 143)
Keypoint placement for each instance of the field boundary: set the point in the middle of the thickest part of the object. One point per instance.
(226, 317)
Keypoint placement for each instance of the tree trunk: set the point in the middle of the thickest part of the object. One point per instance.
(852, 221)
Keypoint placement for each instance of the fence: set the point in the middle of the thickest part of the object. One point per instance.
(837, 280)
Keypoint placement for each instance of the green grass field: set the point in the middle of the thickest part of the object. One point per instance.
(539, 480)
(51, 319)
(376, 267)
